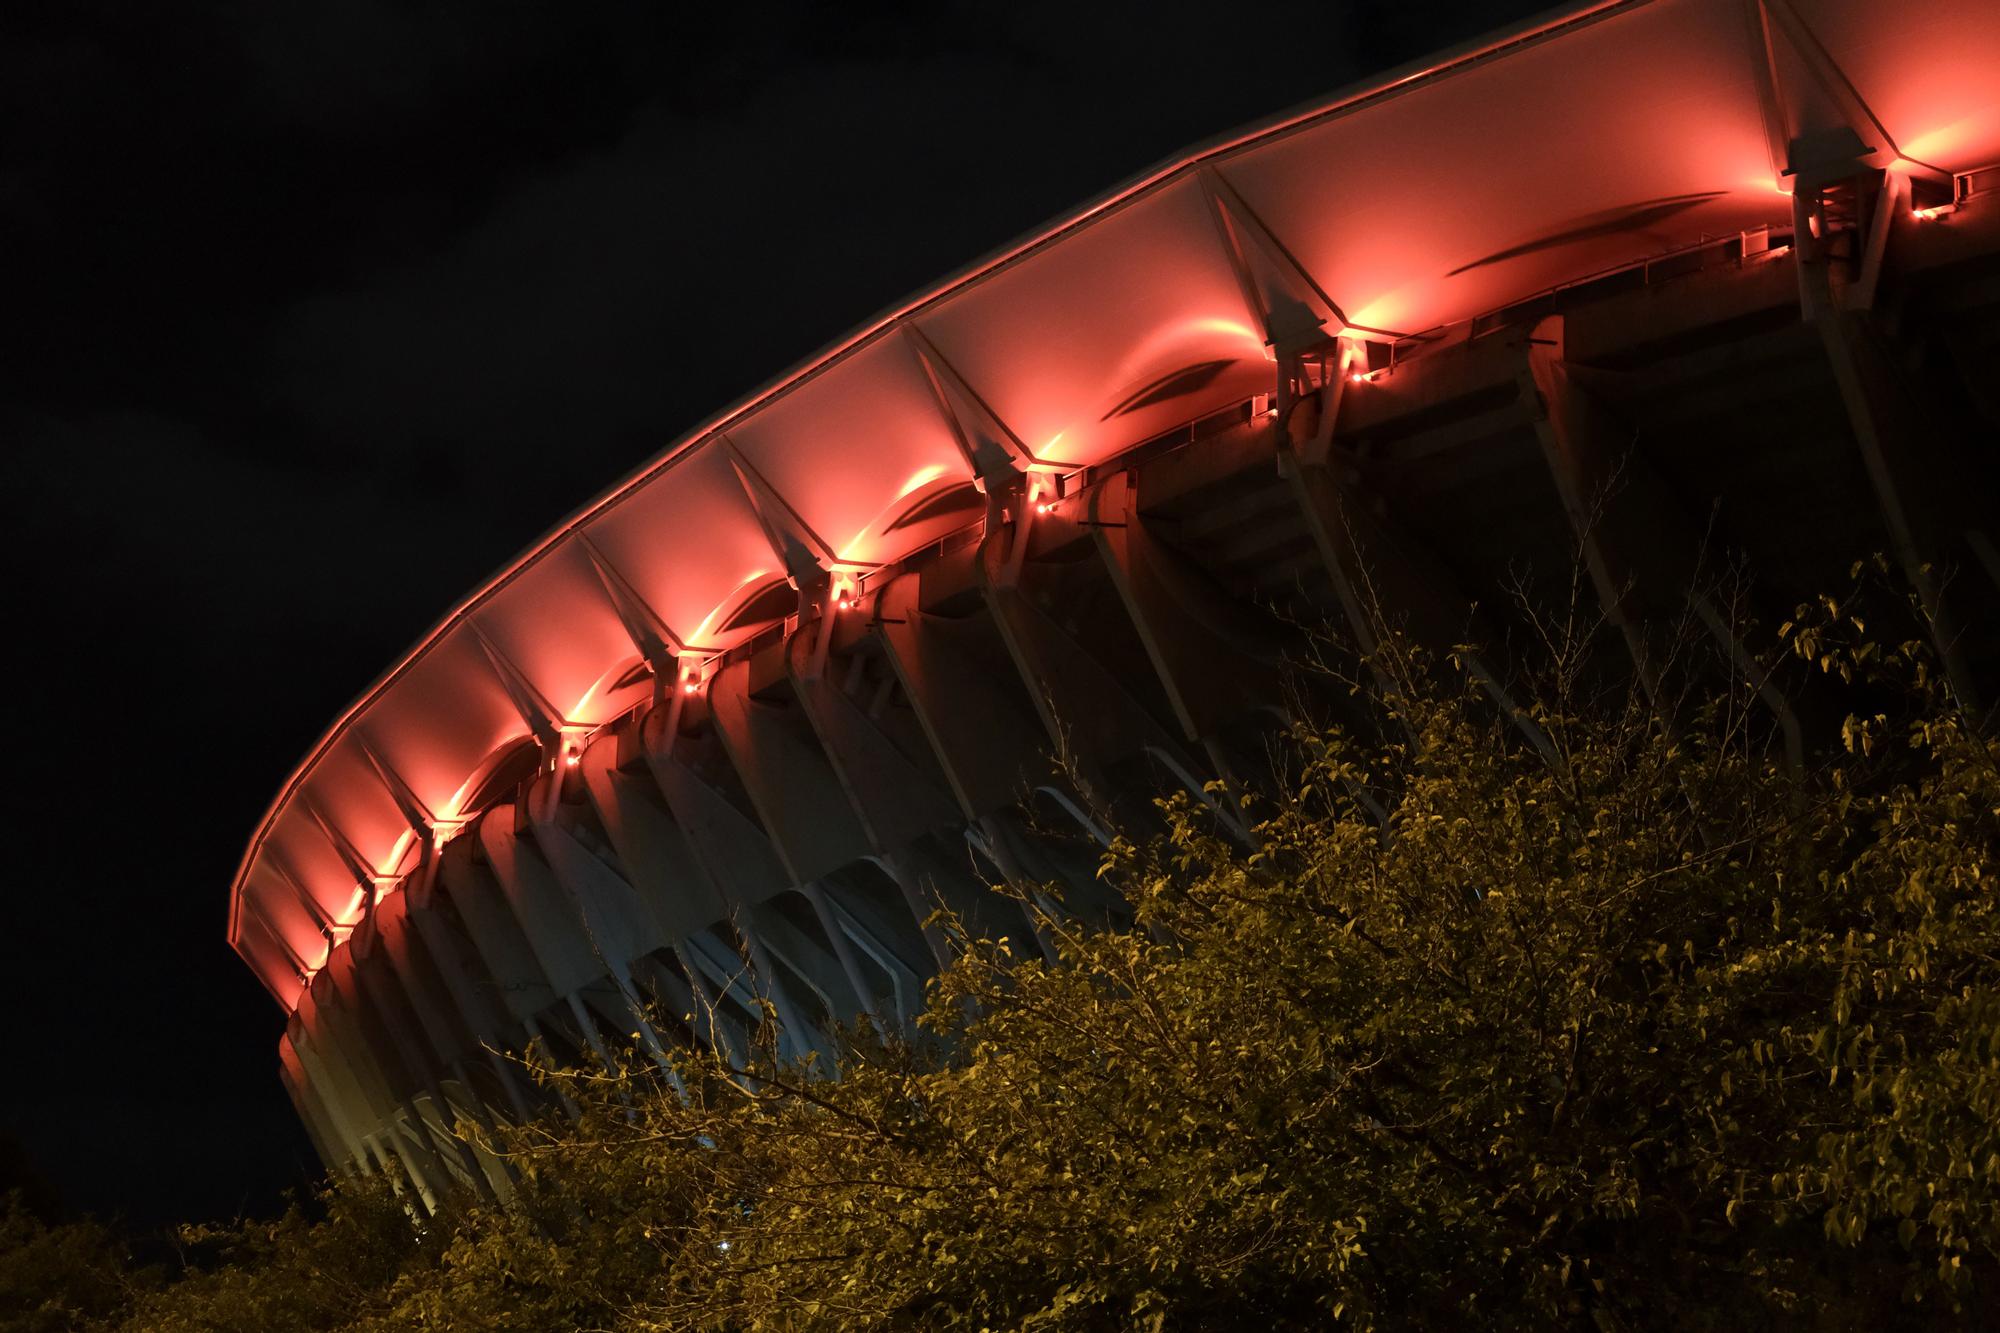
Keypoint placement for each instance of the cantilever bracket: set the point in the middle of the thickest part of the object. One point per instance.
(277, 937)
(1030, 492)
(366, 877)
(326, 924)
(1308, 425)
(1292, 309)
(541, 717)
(993, 452)
(665, 652)
(415, 813)
(1824, 82)
(807, 557)
(1293, 312)
(821, 576)
(1834, 155)
(1002, 466)
(655, 640)
(408, 803)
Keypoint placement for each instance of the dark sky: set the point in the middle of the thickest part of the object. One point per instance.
(312, 315)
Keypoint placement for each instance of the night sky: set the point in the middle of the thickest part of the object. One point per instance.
(313, 315)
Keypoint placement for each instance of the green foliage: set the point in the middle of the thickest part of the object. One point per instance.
(54, 1278)
(335, 1265)
(1640, 1031)
(1638, 1028)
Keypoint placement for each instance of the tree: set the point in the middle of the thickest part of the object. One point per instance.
(1638, 1025)
(1641, 1029)
(58, 1276)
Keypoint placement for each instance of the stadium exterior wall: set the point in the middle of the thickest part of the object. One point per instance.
(1632, 277)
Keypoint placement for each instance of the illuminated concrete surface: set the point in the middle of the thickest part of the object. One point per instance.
(731, 731)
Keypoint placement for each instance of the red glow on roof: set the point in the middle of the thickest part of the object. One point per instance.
(1602, 135)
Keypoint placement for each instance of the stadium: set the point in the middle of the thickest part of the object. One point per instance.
(1633, 281)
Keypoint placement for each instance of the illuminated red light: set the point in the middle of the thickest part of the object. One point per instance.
(1392, 281)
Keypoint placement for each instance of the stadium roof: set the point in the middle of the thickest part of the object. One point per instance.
(1587, 139)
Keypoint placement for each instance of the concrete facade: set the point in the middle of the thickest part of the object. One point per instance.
(596, 801)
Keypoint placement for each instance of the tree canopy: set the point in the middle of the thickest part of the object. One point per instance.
(1635, 1024)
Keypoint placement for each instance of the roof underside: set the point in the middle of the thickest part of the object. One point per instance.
(1588, 140)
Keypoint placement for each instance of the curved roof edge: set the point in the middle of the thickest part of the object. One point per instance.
(1442, 194)
(1367, 91)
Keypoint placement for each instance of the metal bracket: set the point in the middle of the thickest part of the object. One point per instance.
(654, 639)
(543, 720)
(992, 451)
(1293, 311)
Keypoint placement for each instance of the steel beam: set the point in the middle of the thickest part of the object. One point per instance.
(983, 730)
(407, 1072)
(791, 783)
(550, 921)
(1086, 706)
(414, 1067)
(1926, 493)
(730, 846)
(1642, 552)
(887, 772)
(376, 1105)
(346, 1151)
(480, 906)
(333, 1158)
(1213, 658)
(1383, 577)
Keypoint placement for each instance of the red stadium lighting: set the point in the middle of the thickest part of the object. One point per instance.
(1532, 173)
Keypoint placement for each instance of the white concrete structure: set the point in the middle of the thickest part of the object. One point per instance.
(731, 730)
